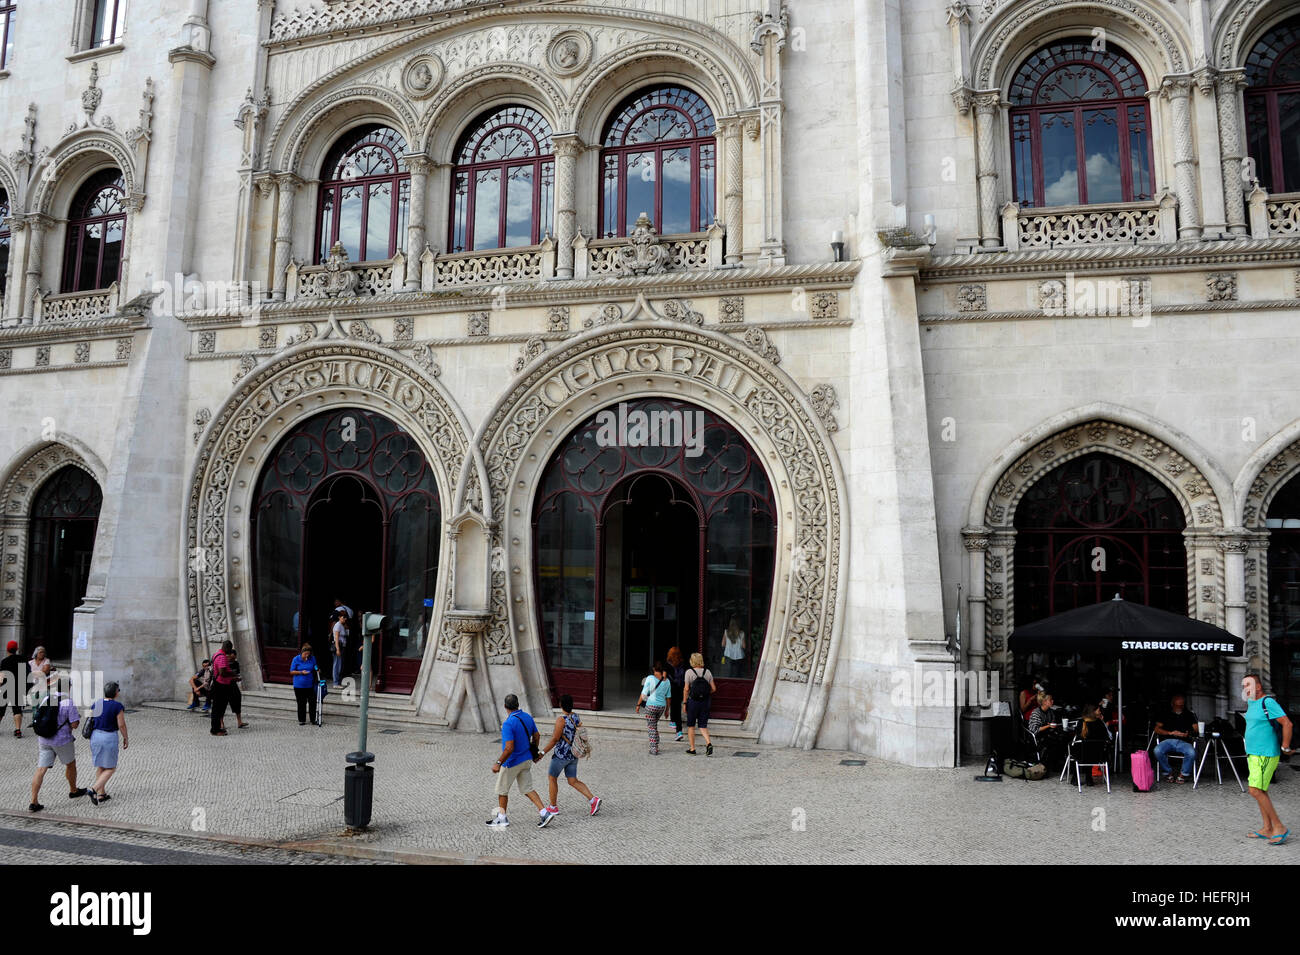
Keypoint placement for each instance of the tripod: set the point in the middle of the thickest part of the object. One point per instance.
(1215, 742)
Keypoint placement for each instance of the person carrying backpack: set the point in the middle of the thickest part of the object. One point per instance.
(54, 717)
(699, 697)
(565, 741)
(1265, 718)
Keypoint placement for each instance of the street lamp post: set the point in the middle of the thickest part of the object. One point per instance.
(359, 775)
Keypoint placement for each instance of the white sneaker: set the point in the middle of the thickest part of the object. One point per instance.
(498, 821)
(545, 816)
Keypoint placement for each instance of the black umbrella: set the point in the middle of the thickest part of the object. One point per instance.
(1119, 628)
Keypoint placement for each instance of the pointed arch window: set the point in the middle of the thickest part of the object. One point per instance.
(96, 231)
(1273, 107)
(1080, 127)
(8, 16)
(4, 239)
(365, 195)
(503, 186)
(660, 157)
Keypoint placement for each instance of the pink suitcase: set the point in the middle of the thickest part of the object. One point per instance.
(1143, 777)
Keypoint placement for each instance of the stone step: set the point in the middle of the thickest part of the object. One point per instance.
(624, 724)
(280, 702)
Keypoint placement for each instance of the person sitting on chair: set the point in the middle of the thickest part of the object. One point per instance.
(1031, 696)
(1175, 732)
(1046, 730)
(1093, 726)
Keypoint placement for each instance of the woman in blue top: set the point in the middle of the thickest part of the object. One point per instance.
(103, 741)
(1263, 751)
(303, 670)
(655, 690)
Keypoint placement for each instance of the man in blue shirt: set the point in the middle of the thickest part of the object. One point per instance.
(1263, 751)
(515, 764)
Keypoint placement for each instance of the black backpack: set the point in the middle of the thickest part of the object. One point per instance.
(45, 719)
(700, 689)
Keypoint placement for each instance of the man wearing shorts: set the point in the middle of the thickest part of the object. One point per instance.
(1263, 752)
(515, 764)
(564, 761)
(59, 745)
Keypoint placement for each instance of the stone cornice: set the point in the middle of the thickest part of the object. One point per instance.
(556, 292)
(1242, 253)
(50, 369)
(1190, 308)
(52, 333)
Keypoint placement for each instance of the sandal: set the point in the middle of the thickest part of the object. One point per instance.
(1278, 840)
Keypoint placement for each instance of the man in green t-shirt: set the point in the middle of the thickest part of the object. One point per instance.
(1263, 751)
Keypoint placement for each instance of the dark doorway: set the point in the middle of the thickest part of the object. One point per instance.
(60, 542)
(344, 558)
(653, 527)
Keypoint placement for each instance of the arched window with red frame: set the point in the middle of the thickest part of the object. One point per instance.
(1080, 127)
(660, 157)
(503, 186)
(96, 231)
(365, 195)
(4, 239)
(1273, 107)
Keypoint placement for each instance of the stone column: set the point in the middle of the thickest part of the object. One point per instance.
(987, 106)
(134, 204)
(17, 252)
(419, 165)
(287, 185)
(36, 226)
(1178, 91)
(733, 182)
(1228, 86)
(976, 540)
(567, 150)
(468, 624)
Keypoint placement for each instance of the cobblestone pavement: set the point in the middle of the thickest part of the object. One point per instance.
(282, 783)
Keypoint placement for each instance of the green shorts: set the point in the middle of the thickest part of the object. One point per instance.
(1261, 771)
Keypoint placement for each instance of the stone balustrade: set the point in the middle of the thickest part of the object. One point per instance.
(1281, 215)
(495, 267)
(72, 307)
(1128, 223)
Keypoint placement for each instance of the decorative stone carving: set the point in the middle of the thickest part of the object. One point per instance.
(266, 337)
(557, 318)
(569, 53)
(824, 402)
(306, 332)
(92, 96)
(231, 440)
(644, 255)
(604, 315)
(972, 298)
(42, 356)
(207, 343)
(422, 76)
(1221, 287)
(361, 330)
(143, 133)
(246, 364)
(340, 280)
(124, 349)
(404, 329)
(6, 358)
(532, 348)
(478, 325)
(731, 309)
(200, 422)
(425, 358)
(757, 339)
(82, 353)
(824, 305)
(782, 417)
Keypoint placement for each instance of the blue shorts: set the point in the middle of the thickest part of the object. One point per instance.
(568, 766)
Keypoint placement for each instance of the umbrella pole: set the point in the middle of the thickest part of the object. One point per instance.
(1119, 703)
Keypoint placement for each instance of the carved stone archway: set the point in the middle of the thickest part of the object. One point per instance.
(991, 546)
(237, 443)
(630, 360)
(17, 495)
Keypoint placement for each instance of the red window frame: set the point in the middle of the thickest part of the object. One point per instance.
(535, 135)
(1032, 84)
(113, 19)
(8, 14)
(81, 221)
(617, 149)
(334, 181)
(1267, 81)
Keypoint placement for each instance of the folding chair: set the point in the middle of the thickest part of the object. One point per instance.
(1089, 753)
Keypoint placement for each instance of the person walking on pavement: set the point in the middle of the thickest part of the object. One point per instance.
(677, 674)
(563, 759)
(339, 635)
(1263, 753)
(103, 742)
(515, 764)
(699, 697)
(655, 690)
(14, 686)
(303, 669)
(236, 696)
(54, 718)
